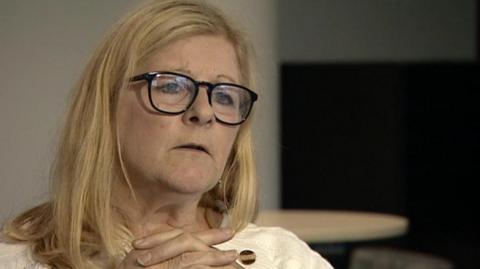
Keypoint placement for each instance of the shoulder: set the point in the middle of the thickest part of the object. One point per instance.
(276, 247)
(17, 256)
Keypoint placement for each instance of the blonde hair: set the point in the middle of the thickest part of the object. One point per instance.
(80, 222)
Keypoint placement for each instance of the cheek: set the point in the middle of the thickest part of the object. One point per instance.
(141, 132)
(227, 144)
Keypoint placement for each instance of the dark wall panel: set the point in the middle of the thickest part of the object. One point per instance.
(341, 137)
(397, 138)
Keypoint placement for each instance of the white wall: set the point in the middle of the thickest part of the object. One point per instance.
(376, 30)
(44, 46)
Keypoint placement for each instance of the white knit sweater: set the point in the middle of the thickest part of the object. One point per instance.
(274, 247)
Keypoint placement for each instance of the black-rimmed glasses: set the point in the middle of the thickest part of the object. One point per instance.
(174, 93)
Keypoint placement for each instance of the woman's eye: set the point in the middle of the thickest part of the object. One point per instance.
(171, 88)
(224, 99)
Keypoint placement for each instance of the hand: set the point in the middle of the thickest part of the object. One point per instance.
(177, 249)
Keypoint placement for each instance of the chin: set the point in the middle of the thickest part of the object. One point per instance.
(191, 183)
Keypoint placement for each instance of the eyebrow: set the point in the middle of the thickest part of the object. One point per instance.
(219, 77)
(227, 78)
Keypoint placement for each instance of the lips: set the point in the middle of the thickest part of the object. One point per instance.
(193, 146)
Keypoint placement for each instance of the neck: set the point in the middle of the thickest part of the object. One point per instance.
(156, 209)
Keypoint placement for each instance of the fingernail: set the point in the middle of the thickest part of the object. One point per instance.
(144, 259)
(232, 254)
(228, 231)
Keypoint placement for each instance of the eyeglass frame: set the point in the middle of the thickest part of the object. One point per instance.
(150, 76)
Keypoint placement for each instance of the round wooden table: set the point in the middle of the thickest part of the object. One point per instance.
(333, 226)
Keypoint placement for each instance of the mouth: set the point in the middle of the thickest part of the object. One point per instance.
(195, 147)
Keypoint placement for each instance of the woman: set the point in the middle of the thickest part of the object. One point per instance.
(155, 165)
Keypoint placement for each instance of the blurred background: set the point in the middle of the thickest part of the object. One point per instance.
(365, 105)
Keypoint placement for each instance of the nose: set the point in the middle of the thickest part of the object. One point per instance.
(200, 112)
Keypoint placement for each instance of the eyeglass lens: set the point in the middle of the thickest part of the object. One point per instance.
(174, 93)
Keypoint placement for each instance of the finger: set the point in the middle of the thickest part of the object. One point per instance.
(198, 267)
(130, 260)
(156, 239)
(215, 236)
(174, 247)
(205, 258)
(184, 242)
(210, 237)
